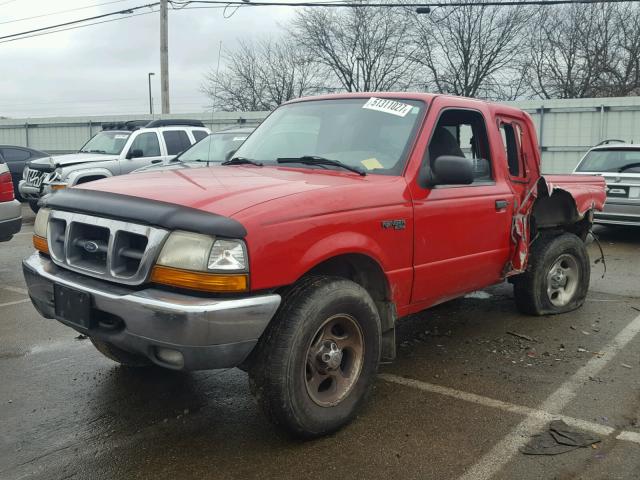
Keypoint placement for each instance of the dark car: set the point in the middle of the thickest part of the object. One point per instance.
(16, 158)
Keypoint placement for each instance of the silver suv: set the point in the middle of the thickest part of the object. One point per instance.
(118, 149)
(619, 163)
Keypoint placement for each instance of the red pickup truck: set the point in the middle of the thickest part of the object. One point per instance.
(295, 258)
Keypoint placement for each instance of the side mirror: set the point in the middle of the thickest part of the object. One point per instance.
(135, 154)
(451, 170)
(229, 155)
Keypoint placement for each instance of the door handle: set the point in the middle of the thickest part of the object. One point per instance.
(501, 204)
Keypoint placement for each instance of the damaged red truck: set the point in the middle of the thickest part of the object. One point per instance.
(295, 258)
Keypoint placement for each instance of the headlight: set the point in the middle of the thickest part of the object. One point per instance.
(40, 227)
(228, 255)
(41, 223)
(201, 262)
(186, 250)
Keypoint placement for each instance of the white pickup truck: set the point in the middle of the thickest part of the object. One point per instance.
(118, 149)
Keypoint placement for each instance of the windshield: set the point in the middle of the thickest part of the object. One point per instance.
(110, 143)
(368, 133)
(611, 161)
(213, 148)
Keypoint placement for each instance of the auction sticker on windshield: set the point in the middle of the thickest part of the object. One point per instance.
(388, 106)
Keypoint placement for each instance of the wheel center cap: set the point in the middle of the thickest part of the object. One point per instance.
(558, 280)
(331, 356)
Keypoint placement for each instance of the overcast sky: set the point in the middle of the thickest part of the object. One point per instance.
(102, 69)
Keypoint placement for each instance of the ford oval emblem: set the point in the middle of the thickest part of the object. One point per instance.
(91, 246)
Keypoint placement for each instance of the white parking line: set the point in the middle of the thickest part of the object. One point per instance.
(16, 302)
(11, 288)
(492, 462)
(505, 406)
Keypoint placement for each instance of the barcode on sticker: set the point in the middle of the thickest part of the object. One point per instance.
(388, 106)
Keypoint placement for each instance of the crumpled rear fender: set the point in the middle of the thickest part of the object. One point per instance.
(554, 201)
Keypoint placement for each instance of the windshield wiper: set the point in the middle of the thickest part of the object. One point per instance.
(315, 160)
(242, 161)
(628, 166)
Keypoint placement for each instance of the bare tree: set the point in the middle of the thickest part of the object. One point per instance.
(365, 48)
(471, 50)
(581, 51)
(260, 76)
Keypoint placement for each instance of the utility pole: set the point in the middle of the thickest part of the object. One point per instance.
(150, 97)
(164, 55)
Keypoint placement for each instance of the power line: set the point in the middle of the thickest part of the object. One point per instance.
(326, 4)
(59, 12)
(76, 27)
(81, 20)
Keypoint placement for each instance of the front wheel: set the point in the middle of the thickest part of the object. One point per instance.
(316, 363)
(557, 277)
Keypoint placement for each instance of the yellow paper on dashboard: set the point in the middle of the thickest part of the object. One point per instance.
(371, 163)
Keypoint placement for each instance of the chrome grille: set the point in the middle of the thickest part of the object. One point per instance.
(34, 177)
(112, 250)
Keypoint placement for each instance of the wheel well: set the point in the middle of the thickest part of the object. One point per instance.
(89, 178)
(558, 212)
(368, 273)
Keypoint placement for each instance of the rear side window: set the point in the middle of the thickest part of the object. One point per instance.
(199, 134)
(511, 144)
(15, 154)
(148, 143)
(176, 140)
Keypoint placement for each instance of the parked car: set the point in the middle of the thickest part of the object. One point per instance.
(118, 149)
(213, 149)
(619, 163)
(294, 259)
(16, 158)
(10, 210)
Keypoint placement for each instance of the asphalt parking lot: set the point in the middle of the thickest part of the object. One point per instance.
(460, 401)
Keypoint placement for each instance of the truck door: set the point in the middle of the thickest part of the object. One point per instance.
(144, 149)
(462, 232)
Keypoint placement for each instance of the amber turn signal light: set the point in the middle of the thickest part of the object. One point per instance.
(58, 186)
(202, 281)
(40, 244)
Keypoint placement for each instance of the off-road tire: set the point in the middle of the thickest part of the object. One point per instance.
(120, 356)
(278, 369)
(530, 287)
(34, 206)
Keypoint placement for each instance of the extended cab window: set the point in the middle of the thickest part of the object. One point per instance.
(511, 142)
(177, 141)
(462, 133)
(147, 143)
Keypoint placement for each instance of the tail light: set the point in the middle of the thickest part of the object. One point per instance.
(6, 187)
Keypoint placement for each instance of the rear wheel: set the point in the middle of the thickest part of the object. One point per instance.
(315, 365)
(557, 277)
(120, 356)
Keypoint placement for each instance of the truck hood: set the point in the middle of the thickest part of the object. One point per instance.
(71, 159)
(224, 190)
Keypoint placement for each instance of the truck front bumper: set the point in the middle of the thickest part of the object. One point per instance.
(173, 330)
(30, 192)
